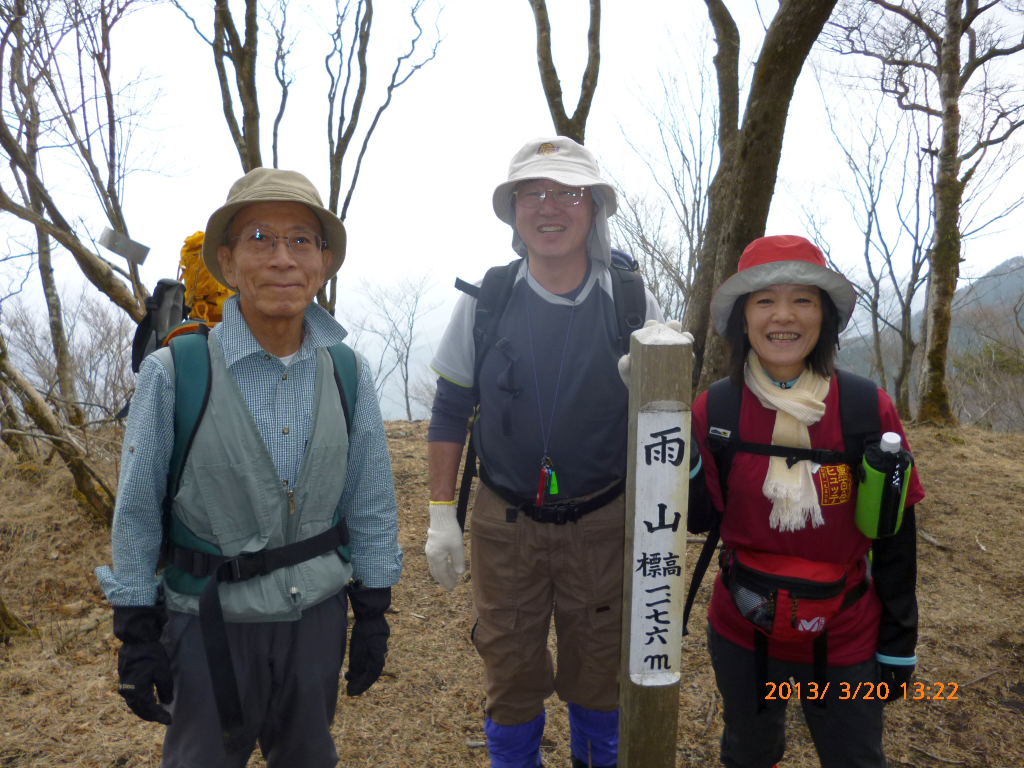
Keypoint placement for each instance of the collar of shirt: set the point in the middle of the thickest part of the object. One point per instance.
(237, 341)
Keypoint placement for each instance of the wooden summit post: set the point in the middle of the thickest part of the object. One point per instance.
(653, 590)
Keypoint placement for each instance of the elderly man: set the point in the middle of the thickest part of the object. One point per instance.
(272, 506)
(548, 518)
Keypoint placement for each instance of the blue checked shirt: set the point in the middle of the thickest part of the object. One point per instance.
(367, 501)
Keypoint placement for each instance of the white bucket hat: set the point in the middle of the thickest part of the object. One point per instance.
(562, 160)
(782, 259)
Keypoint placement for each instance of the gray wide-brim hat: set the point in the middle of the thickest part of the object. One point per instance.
(782, 259)
(562, 160)
(270, 185)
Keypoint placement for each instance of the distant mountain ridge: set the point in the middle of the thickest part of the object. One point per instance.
(999, 289)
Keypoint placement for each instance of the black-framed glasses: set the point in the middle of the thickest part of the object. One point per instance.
(258, 241)
(563, 197)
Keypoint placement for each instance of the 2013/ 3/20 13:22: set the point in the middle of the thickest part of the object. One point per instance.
(865, 691)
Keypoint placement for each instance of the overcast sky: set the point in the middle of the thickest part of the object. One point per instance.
(423, 199)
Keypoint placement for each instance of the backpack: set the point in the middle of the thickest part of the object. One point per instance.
(492, 296)
(861, 424)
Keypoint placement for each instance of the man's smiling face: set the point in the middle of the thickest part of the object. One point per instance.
(282, 283)
(553, 230)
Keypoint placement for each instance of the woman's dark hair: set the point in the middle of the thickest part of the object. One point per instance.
(821, 359)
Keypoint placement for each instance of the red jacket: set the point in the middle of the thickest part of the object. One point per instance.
(858, 632)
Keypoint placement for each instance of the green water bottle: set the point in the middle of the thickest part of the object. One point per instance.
(883, 488)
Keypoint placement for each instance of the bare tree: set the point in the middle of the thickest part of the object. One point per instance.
(574, 127)
(888, 193)
(343, 115)
(63, 54)
(94, 492)
(278, 19)
(237, 50)
(392, 317)
(665, 233)
(649, 232)
(423, 389)
(749, 153)
(57, 77)
(987, 374)
(941, 59)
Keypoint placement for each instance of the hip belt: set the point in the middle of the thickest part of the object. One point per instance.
(556, 512)
(232, 570)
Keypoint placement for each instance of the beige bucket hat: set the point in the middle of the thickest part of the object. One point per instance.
(270, 185)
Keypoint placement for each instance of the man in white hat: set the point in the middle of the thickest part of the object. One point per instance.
(271, 507)
(536, 345)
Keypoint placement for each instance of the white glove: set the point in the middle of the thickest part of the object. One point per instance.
(445, 553)
(624, 364)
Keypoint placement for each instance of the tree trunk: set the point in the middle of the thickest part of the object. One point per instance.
(9, 623)
(9, 420)
(96, 495)
(901, 382)
(697, 317)
(944, 255)
(758, 150)
(58, 338)
(574, 127)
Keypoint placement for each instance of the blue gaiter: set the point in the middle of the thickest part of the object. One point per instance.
(515, 746)
(594, 736)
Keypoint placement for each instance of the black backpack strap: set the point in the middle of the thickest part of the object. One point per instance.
(492, 296)
(858, 413)
(723, 414)
(703, 560)
(630, 302)
(468, 473)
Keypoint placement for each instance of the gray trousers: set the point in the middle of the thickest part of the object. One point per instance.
(287, 674)
(847, 733)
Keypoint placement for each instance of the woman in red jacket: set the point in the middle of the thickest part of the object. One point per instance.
(805, 604)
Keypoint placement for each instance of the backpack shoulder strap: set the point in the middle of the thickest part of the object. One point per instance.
(191, 357)
(348, 365)
(724, 401)
(723, 414)
(630, 302)
(492, 298)
(858, 411)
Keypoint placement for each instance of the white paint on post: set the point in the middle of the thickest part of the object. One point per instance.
(659, 543)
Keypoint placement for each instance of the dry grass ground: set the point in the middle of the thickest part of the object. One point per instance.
(58, 701)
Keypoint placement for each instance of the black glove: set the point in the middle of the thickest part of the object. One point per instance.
(370, 633)
(142, 662)
(895, 676)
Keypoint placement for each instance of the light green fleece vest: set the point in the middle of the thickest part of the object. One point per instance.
(232, 497)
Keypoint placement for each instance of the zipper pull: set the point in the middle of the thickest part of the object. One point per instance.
(291, 502)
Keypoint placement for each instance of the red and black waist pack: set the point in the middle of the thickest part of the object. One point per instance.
(789, 599)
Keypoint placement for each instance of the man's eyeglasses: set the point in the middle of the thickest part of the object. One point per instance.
(563, 197)
(262, 242)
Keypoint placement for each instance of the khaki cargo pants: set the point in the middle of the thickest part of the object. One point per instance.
(523, 572)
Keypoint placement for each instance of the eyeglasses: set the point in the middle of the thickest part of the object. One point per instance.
(261, 242)
(563, 197)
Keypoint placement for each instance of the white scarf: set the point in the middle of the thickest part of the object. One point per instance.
(790, 489)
